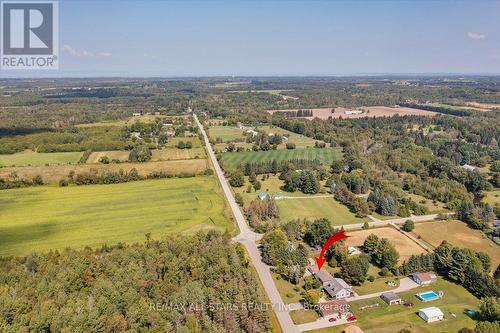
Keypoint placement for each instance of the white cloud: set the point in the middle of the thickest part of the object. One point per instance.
(476, 35)
(84, 53)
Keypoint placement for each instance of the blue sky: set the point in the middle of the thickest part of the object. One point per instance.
(190, 38)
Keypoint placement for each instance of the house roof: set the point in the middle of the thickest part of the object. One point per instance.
(332, 307)
(425, 276)
(336, 285)
(390, 296)
(432, 312)
(322, 275)
(353, 329)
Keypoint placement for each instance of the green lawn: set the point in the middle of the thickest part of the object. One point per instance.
(287, 290)
(301, 141)
(233, 160)
(227, 133)
(315, 208)
(393, 318)
(32, 158)
(303, 316)
(49, 217)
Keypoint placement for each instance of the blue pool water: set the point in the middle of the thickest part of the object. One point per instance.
(428, 296)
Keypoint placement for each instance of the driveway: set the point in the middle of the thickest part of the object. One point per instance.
(248, 238)
(405, 284)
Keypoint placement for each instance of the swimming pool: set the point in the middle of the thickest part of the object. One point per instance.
(428, 296)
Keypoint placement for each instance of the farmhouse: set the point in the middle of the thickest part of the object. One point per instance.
(338, 289)
(391, 298)
(336, 308)
(431, 314)
(423, 278)
(321, 275)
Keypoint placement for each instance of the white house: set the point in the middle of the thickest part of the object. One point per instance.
(468, 167)
(431, 314)
(338, 289)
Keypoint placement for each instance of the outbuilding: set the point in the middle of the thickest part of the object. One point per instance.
(391, 298)
(431, 314)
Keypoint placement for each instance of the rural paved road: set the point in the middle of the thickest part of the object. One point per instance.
(247, 237)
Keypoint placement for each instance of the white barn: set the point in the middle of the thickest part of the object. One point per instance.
(431, 314)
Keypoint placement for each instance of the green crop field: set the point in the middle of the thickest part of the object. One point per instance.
(233, 160)
(29, 157)
(49, 217)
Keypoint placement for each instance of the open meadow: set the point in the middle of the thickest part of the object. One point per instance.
(233, 160)
(29, 157)
(405, 247)
(93, 215)
(458, 234)
(316, 208)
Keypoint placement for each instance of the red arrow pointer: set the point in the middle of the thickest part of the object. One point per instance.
(333, 238)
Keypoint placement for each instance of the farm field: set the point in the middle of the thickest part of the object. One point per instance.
(456, 300)
(177, 154)
(458, 234)
(166, 154)
(233, 160)
(172, 142)
(120, 155)
(29, 157)
(403, 244)
(93, 215)
(372, 111)
(53, 174)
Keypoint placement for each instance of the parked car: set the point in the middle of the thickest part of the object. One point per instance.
(331, 320)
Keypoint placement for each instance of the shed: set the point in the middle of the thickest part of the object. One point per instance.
(391, 298)
(262, 195)
(431, 314)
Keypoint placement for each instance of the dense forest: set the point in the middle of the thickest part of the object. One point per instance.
(199, 283)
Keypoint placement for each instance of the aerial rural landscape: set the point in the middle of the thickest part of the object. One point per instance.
(334, 168)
